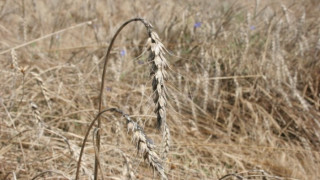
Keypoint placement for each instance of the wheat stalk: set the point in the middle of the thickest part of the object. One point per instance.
(285, 11)
(43, 88)
(149, 29)
(216, 84)
(75, 153)
(206, 89)
(158, 70)
(24, 22)
(38, 119)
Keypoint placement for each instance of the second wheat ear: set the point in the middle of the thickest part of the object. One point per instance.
(158, 72)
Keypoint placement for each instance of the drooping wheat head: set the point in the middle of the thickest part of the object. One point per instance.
(158, 71)
(144, 145)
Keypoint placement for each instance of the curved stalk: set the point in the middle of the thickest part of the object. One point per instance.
(86, 137)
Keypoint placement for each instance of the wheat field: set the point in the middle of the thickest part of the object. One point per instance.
(213, 89)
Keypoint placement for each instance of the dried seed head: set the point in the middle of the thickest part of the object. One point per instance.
(144, 145)
(14, 60)
(158, 71)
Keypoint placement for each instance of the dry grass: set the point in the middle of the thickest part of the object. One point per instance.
(243, 89)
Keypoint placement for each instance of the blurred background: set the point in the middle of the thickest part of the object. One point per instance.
(243, 87)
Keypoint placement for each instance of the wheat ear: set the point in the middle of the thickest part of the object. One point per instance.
(14, 63)
(159, 74)
(143, 144)
(158, 71)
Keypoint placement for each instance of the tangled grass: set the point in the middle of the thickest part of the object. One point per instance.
(241, 100)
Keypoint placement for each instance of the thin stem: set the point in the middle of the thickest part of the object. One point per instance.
(50, 171)
(96, 130)
(86, 137)
(46, 36)
(235, 175)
